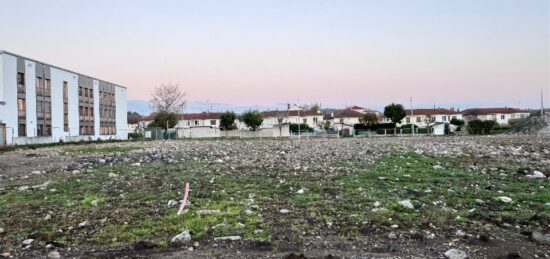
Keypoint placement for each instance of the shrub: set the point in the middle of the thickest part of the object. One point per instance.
(479, 127)
(457, 122)
(135, 135)
(303, 127)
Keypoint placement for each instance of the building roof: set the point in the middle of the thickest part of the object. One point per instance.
(355, 107)
(346, 113)
(438, 111)
(56, 67)
(302, 113)
(201, 116)
(487, 111)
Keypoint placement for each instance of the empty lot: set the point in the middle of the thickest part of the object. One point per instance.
(384, 198)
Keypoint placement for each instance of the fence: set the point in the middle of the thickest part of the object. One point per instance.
(208, 132)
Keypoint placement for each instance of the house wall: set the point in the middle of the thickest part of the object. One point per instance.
(201, 123)
(500, 118)
(8, 91)
(413, 119)
(57, 78)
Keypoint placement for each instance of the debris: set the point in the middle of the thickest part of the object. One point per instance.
(284, 211)
(28, 241)
(84, 224)
(54, 255)
(228, 238)
(540, 238)
(185, 195)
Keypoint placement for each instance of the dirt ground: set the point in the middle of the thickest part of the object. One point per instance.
(487, 196)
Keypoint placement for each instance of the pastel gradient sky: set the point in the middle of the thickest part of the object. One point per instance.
(452, 52)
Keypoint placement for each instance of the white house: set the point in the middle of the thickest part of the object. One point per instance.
(502, 116)
(344, 120)
(204, 119)
(313, 119)
(42, 103)
(425, 117)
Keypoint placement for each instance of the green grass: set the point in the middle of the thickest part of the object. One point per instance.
(133, 206)
(99, 150)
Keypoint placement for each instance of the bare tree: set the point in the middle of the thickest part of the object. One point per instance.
(168, 98)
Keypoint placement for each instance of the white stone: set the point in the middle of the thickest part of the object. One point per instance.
(54, 255)
(284, 211)
(28, 241)
(377, 204)
(48, 217)
(455, 254)
(182, 237)
(505, 199)
(112, 175)
(406, 204)
(84, 223)
(438, 167)
(301, 191)
(537, 175)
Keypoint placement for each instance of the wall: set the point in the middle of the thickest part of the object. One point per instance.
(30, 81)
(207, 132)
(58, 77)
(8, 82)
(121, 113)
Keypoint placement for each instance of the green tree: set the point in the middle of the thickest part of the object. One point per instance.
(133, 117)
(369, 118)
(303, 127)
(457, 122)
(227, 120)
(253, 119)
(395, 112)
(164, 119)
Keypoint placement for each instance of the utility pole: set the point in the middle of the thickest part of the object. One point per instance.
(541, 104)
(412, 117)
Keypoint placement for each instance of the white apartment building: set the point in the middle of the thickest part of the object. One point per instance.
(42, 103)
(502, 116)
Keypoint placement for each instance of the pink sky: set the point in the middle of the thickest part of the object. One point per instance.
(334, 52)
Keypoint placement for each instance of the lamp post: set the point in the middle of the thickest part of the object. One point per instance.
(299, 132)
(412, 117)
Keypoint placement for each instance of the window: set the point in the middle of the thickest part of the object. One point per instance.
(408, 119)
(65, 90)
(22, 130)
(80, 91)
(454, 117)
(39, 106)
(342, 121)
(315, 119)
(502, 117)
(21, 105)
(47, 87)
(444, 118)
(305, 120)
(196, 123)
(213, 122)
(40, 130)
(188, 123)
(418, 119)
(20, 79)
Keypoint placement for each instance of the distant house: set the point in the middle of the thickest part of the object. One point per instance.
(502, 116)
(344, 119)
(313, 118)
(204, 119)
(426, 117)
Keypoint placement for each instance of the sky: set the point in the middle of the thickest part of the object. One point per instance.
(459, 53)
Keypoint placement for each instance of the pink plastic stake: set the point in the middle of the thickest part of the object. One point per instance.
(184, 199)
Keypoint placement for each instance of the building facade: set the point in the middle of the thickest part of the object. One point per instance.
(426, 117)
(42, 103)
(502, 116)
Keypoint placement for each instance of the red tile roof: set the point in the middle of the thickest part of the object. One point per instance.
(486, 111)
(347, 113)
(438, 111)
(302, 113)
(201, 116)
